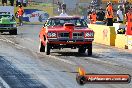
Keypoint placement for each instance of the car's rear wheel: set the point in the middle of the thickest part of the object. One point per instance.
(47, 49)
(89, 51)
(81, 49)
(13, 32)
(41, 47)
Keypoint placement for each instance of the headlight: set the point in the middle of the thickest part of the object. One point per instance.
(89, 34)
(52, 34)
(14, 25)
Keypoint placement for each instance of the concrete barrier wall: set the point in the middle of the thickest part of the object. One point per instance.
(107, 35)
(104, 34)
(129, 41)
(121, 41)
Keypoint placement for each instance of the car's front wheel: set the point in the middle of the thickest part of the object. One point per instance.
(89, 51)
(13, 32)
(47, 49)
(81, 49)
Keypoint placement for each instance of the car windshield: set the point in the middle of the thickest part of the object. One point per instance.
(61, 21)
(4, 16)
(8, 16)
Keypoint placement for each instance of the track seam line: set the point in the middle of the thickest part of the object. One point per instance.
(4, 83)
(105, 62)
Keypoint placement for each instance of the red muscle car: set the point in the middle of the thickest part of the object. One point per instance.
(66, 32)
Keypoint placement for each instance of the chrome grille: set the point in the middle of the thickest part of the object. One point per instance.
(6, 25)
(64, 35)
(78, 35)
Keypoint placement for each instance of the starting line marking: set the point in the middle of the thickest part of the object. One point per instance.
(4, 83)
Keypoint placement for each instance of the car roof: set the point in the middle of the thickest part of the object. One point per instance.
(65, 17)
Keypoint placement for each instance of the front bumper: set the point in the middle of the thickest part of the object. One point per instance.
(70, 41)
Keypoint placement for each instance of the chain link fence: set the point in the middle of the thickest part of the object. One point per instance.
(74, 7)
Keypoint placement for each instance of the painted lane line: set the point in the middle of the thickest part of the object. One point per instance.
(9, 41)
(4, 83)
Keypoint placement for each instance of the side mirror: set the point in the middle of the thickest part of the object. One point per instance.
(44, 25)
